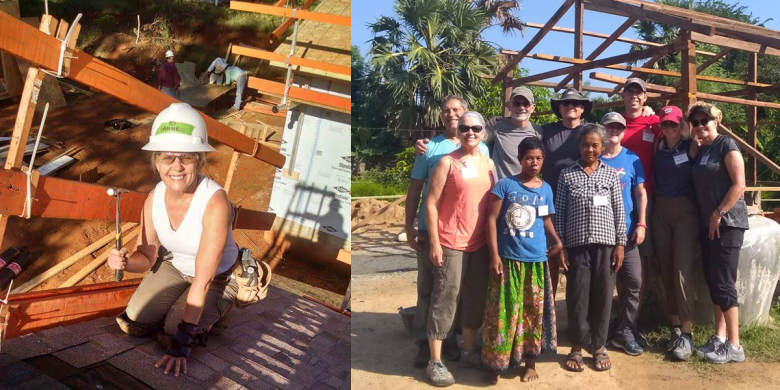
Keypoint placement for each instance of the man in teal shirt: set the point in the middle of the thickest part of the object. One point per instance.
(452, 109)
(220, 69)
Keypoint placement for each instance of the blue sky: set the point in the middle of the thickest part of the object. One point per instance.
(556, 43)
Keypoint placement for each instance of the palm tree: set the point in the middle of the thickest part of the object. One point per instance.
(430, 50)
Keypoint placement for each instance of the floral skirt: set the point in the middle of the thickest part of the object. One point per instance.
(519, 315)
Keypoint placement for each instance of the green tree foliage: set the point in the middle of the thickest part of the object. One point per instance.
(431, 49)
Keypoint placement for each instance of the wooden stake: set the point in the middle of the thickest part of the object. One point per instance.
(62, 265)
(94, 264)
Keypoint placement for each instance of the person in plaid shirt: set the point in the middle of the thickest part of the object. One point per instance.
(591, 222)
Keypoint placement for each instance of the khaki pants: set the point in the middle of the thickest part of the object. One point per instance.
(161, 297)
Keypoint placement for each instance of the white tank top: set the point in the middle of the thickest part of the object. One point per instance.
(183, 243)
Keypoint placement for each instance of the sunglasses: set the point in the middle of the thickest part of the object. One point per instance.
(465, 129)
(703, 122)
(518, 103)
(185, 158)
(573, 103)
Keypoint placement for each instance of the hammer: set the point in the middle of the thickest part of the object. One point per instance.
(117, 192)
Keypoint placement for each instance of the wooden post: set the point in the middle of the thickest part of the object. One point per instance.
(507, 85)
(578, 14)
(24, 117)
(233, 163)
(688, 71)
(751, 171)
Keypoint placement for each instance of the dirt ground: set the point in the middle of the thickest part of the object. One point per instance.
(120, 162)
(384, 280)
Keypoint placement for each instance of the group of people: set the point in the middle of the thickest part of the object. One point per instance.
(504, 205)
(220, 73)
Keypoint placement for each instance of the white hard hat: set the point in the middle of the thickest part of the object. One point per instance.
(179, 128)
(169, 54)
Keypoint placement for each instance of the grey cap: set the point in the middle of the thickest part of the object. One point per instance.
(613, 117)
(636, 80)
(524, 92)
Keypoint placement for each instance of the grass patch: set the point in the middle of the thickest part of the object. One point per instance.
(761, 342)
(367, 188)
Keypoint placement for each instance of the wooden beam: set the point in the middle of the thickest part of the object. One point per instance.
(688, 85)
(751, 169)
(746, 102)
(586, 88)
(738, 44)
(295, 61)
(751, 150)
(67, 199)
(25, 42)
(288, 13)
(64, 264)
(35, 311)
(301, 95)
(97, 262)
(602, 47)
(635, 69)
(617, 8)
(706, 64)
(533, 42)
(647, 65)
(282, 29)
(605, 36)
(663, 50)
(578, 16)
(621, 81)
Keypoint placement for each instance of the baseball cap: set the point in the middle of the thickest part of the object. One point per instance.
(636, 80)
(524, 92)
(613, 117)
(671, 114)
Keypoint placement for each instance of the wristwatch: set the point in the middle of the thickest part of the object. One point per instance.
(719, 212)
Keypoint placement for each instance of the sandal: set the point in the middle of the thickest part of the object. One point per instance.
(575, 356)
(600, 357)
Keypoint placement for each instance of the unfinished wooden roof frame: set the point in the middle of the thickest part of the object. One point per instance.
(53, 197)
(694, 27)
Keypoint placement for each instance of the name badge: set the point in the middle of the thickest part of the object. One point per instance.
(600, 200)
(648, 136)
(543, 210)
(705, 158)
(468, 172)
(680, 158)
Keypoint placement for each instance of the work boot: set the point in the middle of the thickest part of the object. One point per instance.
(712, 344)
(130, 327)
(439, 375)
(423, 355)
(221, 325)
(471, 359)
(450, 349)
(726, 353)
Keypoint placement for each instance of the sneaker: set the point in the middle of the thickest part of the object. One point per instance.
(640, 338)
(673, 336)
(631, 347)
(712, 344)
(471, 359)
(682, 348)
(423, 355)
(726, 353)
(450, 350)
(438, 374)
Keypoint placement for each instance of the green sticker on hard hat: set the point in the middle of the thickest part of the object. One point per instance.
(175, 127)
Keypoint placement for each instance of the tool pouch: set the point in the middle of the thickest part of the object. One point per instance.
(253, 279)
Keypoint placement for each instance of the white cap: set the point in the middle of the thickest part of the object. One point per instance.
(179, 128)
(169, 54)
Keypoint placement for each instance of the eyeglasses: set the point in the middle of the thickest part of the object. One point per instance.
(669, 124)
(633, 92)
(185, 158)
(518, 103)
(465, 129)
(573, 103)
(703, 122)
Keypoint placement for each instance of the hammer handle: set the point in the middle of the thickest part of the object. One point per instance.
(119, 274)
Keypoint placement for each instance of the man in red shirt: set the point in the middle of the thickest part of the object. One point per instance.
(640, 134)
(168, 79)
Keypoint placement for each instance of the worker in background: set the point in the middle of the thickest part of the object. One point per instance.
(221, 73)
(168, 78)
(188, 294)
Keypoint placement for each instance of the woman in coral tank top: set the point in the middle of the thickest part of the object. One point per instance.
(457, 209)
